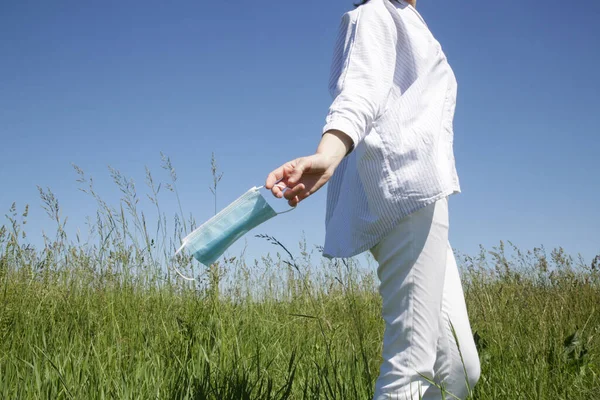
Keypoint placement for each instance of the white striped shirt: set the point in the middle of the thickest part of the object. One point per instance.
(394, 95)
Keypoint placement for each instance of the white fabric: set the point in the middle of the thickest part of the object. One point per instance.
(422, 293)
(394, 95)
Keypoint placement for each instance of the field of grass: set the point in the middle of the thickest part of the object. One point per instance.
(105, 319)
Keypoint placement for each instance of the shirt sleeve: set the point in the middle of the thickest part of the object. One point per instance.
(362, 70)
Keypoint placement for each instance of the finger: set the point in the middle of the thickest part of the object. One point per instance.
(273, 177)
(312, 190)
(294, 202)
(281, 185)
(300, 197)
(308, 192)
(304, 195)
(277, 192)
(296, 174)
(294, 192)
(278, 189)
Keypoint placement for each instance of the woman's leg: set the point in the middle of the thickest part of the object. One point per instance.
(423, 301)
(412, 268)
(456, 367)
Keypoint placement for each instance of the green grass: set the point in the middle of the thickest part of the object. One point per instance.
(102, 319)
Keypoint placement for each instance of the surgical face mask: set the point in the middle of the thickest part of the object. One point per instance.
(209, 241)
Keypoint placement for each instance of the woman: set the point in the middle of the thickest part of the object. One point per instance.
(387, 152)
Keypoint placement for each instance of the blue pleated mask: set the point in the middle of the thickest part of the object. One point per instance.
(210, 240)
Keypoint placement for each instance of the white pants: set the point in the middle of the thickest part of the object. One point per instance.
(422, 294)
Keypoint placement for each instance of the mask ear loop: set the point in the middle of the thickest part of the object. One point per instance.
(176, 269)
(283, 212)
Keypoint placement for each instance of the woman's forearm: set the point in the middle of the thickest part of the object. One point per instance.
(335, 144)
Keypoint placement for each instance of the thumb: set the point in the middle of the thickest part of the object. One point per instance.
(297, 172)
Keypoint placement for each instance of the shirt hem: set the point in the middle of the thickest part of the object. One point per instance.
(372, 243)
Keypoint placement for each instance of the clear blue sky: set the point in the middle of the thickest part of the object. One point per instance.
(114, 83)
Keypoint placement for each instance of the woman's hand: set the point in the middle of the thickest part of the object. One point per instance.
(304, 176)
